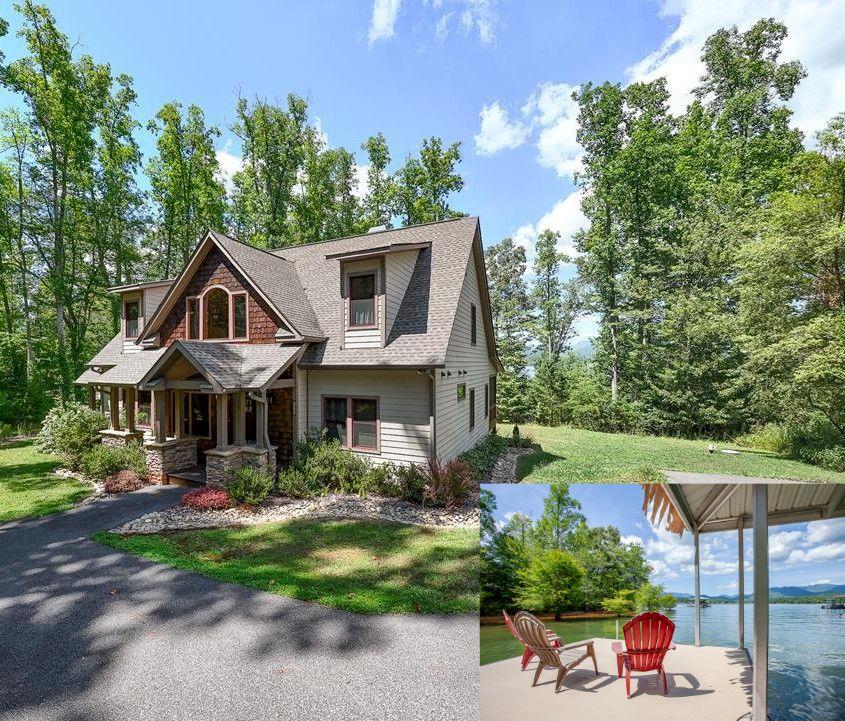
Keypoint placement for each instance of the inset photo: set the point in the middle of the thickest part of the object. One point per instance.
(638, 601)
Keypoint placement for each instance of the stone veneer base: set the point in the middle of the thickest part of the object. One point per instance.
(116, 438)
(174, 454)
(221, 464)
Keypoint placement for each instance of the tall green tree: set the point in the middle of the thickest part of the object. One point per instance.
(561, 516)
(424, 184)
(506, 266)
(551, 583)
(187, 192)
(380, 200)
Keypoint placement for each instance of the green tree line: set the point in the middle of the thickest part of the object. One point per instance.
(81, 209)
(712, 260)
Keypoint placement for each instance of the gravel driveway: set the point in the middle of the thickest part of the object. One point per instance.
(89, 633)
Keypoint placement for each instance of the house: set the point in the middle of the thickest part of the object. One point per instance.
(382, 340)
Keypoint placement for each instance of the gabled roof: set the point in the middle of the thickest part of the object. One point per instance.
(229, 366)
(273, 278)
(423, 325)
(114, 367)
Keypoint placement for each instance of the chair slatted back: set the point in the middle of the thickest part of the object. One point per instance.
(647, 638)
(511, 627)
(534, 635)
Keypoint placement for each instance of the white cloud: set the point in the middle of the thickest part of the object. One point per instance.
(782, 543)
(383, 20)
(362, 185)
(627, 540)
(821, 581)
(229, 164)
(816, 38)
(826, 531)
(497, 131)
(480, 16)
(828, 552)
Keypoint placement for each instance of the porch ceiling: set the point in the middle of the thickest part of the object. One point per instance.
(226, 366)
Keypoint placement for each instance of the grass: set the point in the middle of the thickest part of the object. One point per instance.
(359, 566)
(29, 489)
(579, 456)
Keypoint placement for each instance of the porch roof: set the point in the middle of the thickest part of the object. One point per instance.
(227, 366)
(118, 368)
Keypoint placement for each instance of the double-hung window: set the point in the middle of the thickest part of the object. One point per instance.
(353, 422)
(132, 314)
(472, 408)
(362, 300)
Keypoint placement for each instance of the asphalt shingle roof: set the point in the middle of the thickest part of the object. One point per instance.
(423, 325)
(125, 368)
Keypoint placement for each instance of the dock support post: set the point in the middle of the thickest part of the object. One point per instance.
(760, 680)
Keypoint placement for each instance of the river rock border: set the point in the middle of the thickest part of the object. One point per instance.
(182, 518)
(504, 469)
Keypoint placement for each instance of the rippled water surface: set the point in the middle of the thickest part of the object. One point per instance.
(806, 651)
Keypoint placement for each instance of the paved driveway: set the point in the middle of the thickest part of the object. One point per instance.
(87, 632)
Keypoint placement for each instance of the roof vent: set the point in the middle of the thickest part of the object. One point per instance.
(379, 228)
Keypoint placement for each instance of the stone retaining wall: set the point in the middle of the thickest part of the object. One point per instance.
(109, 437)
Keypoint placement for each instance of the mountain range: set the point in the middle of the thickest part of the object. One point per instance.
(778, 592)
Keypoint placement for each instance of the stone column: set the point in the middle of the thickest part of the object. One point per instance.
(158, 423)
(114, 408)
(222, 417)
(239, 428)
(129, 406)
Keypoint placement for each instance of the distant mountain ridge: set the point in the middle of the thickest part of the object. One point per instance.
(815, 589)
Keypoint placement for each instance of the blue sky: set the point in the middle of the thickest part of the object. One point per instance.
(496, 75)
(800, 554)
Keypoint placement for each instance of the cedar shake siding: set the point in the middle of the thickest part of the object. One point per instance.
(215, 269)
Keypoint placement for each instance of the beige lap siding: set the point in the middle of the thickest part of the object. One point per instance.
(452, 431)
(398, 269)
(403, 408)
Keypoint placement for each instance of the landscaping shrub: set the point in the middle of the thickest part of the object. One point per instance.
(250, 485)
(207, 499)
(292, 482)
(772, 437)
(123, 482)
(100, 462)
(448, 486)
(481, 457)
(412, 481)
(69, 430)
(6, 432)
(831, 458)
(384, 479)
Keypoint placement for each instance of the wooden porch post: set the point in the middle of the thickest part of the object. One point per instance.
(260, 422)
(178, 413)
(129, 407)
(239, 421)
(114, 408)
(760, 663)
(222, 413)
(158, 425)
(741, 562)
(697, 588)
(92, 397)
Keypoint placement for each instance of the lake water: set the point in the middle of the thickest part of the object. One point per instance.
(806, 651)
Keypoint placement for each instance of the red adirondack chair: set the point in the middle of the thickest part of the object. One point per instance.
(648, 637)
(528, 654)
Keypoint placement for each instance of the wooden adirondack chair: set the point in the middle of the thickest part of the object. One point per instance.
(561, 657)
(648, 637)
(528, 654)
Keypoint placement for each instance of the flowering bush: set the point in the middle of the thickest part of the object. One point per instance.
(123, 482)
(207, 499)
(69, 430)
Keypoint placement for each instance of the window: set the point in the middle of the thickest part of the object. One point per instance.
(462, 391)
(334, 419)
(472, 409)
(216, 311)
(195, 415)
(143, 416)
(492, 391)
(354, 422)
(362, 300)
(132, 313)
(239, 315)
(193, 319)
(472, 331)
(486, 400)
(365, 423)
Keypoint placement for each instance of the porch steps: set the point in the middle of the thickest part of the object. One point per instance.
(190, 477)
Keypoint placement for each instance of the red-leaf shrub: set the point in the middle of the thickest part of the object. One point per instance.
(123, 482)
(448, 486)
(207, 499)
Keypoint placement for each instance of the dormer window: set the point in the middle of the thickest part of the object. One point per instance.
(217, 314)
(132, 315)
(362, 300)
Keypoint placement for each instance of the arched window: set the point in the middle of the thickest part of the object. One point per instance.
(216, 307)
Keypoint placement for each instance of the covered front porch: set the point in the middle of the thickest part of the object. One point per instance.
(203, 410)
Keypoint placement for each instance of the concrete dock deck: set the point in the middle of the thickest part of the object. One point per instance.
(707, 683)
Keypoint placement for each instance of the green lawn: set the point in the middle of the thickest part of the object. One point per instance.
(359, 566)
(579, 456)
(28, 487)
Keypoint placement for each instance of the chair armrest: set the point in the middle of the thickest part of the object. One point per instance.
(617, 648)
(671, 646)
(576, 644)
